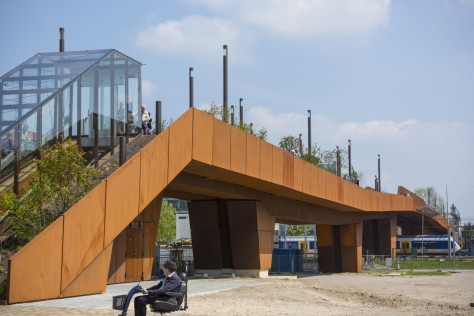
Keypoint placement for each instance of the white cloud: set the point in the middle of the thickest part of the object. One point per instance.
(306, 18)
(377, 129)
(196, 37)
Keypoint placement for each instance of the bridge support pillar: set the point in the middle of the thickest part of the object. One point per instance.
(340, 247)
(380, 236)
(231, 237)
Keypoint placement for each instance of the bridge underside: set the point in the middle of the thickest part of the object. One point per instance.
(238, 187)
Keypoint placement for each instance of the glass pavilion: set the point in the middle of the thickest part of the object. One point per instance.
(91, 96)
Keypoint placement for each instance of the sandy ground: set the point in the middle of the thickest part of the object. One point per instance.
(344, 294)
(336, 294)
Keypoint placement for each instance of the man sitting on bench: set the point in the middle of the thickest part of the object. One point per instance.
(171, 283)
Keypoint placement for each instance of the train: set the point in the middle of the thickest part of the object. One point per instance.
(425, 245)
(296, 242)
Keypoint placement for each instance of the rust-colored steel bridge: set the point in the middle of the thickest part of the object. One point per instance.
(238, 187)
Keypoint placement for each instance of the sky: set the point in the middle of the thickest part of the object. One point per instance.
(395, 77)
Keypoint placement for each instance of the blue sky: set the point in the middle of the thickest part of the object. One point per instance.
(395, 77)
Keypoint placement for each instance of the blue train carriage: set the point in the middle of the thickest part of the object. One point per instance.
(297, 242)
(425, 244)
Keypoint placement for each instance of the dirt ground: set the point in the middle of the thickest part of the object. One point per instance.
(333, 294)
(344, 294)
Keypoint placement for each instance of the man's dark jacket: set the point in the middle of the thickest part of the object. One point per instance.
(170, 284)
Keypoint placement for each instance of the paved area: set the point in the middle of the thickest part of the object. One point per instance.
(101, 304)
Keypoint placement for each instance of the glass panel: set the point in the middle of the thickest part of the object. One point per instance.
(28, 140)
(44, 96)
(29, 98)
(30, 72)
(73, 113)
(66, 103)
(47, 83)
(104, 99)
(119, 95)
(47, 71)
(8, 153)
(11, 99)
(48, 117)
(133, 106)
(10, 115)
(30, 84)
(87, 102)
(9, 85)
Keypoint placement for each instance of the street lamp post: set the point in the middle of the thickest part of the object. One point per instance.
(191, 88)
(349, 154)
(380, 183)
(224, 105)
(309, 135)
(241, 113)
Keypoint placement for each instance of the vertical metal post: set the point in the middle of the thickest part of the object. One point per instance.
(191, 87)
(225, 102)
(123, 153)
(241, 113)
(380, 183)
(61, 39)
(338, 162)
(449, 228)
(309, 135)
(350, 164)
(232, 115)
(300, 144)
(16, 157)
(158, 117)
(376, 184)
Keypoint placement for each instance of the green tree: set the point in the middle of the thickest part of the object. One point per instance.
(289, 142)
(432, 198)
(167, 225)
(60, 179)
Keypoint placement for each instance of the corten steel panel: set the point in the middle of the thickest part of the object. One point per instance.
(35, 270)
(117, 260)
(180, 144)
(203, 215)
(207, 249)
(322, 183)
(249, 215)
(264, 220)
(242, 215)
(385, 236)
(325, 235)
(315, 174)
(154, 168)
(252, 167)
(348, 235)
(122, 198)
(331, 186)
(238, 150)
(307, 167)
(350, 260)
(221, 144)
(266, 161)
(151, 214)
(245, 252)
(298, 174)
(277, 166)
(151, 230)
(265, 241)
(351, 247)
(326, 259)
(288, 170)
(83, 234)
(202, 137)
(93, 279)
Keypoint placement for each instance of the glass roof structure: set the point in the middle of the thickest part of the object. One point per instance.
(91, 96)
